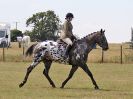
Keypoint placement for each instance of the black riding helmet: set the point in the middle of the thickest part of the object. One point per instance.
(69, 15)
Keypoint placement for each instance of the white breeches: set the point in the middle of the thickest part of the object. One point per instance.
(67, 40)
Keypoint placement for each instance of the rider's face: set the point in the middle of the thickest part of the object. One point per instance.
(69, 19)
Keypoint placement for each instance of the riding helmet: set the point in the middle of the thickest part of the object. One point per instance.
(69, 15)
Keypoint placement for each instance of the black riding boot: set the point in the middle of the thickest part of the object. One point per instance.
(67, 51)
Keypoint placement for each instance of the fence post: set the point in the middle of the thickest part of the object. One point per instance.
(23, 50)
(102, 60)
(3, 52)
(23, 54)
(121, 54)
(19, 44)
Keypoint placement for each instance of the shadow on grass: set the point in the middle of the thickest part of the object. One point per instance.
(92, 89)
(79, 89)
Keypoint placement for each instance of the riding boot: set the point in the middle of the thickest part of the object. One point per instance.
(67, 51)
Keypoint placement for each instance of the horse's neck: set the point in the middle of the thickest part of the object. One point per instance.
(90, 42)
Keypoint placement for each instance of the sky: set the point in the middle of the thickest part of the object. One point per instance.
(115, 16)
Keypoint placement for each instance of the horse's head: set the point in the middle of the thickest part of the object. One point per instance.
(101, 40)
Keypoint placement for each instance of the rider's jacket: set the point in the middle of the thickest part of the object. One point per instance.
(67, 30)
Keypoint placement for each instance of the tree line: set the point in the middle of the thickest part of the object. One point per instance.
(44, 26)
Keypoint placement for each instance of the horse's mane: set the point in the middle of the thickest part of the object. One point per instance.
(87, 36)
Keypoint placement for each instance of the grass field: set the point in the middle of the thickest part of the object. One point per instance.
(115, 82)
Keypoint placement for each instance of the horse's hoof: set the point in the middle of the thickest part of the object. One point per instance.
(97, 88)
(21, 85)
(61, 87)
(53, 86)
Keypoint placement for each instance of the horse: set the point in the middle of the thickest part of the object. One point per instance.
(23, 41)
(19, 40)
(26, 41)
(47, 52)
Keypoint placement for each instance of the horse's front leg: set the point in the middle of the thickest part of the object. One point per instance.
(72, 71)
(29, 69)
(86, 69)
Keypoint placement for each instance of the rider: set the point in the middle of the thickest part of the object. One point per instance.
(67, 34)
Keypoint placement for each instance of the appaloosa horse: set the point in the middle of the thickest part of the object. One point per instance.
(53, 51)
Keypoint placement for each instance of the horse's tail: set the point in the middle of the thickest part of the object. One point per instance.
(30, 50)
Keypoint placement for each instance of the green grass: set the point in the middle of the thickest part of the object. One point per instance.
(115, 82)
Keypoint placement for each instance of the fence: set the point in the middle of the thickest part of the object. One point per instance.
(117, 53)
(14, 53)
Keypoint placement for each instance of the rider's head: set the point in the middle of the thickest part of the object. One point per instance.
(69, 16)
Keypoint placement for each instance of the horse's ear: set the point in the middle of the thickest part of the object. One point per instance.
(101, 30)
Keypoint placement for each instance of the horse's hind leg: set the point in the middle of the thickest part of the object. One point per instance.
(72, 71)
(86, 69)
(46, 71)
(29, 69)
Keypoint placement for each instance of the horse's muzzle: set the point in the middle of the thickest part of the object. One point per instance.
(106, 48)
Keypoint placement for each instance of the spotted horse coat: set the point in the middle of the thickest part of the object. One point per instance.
(51, 50)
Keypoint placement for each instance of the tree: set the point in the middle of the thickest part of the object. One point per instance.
(45, 25)
(14, 34)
